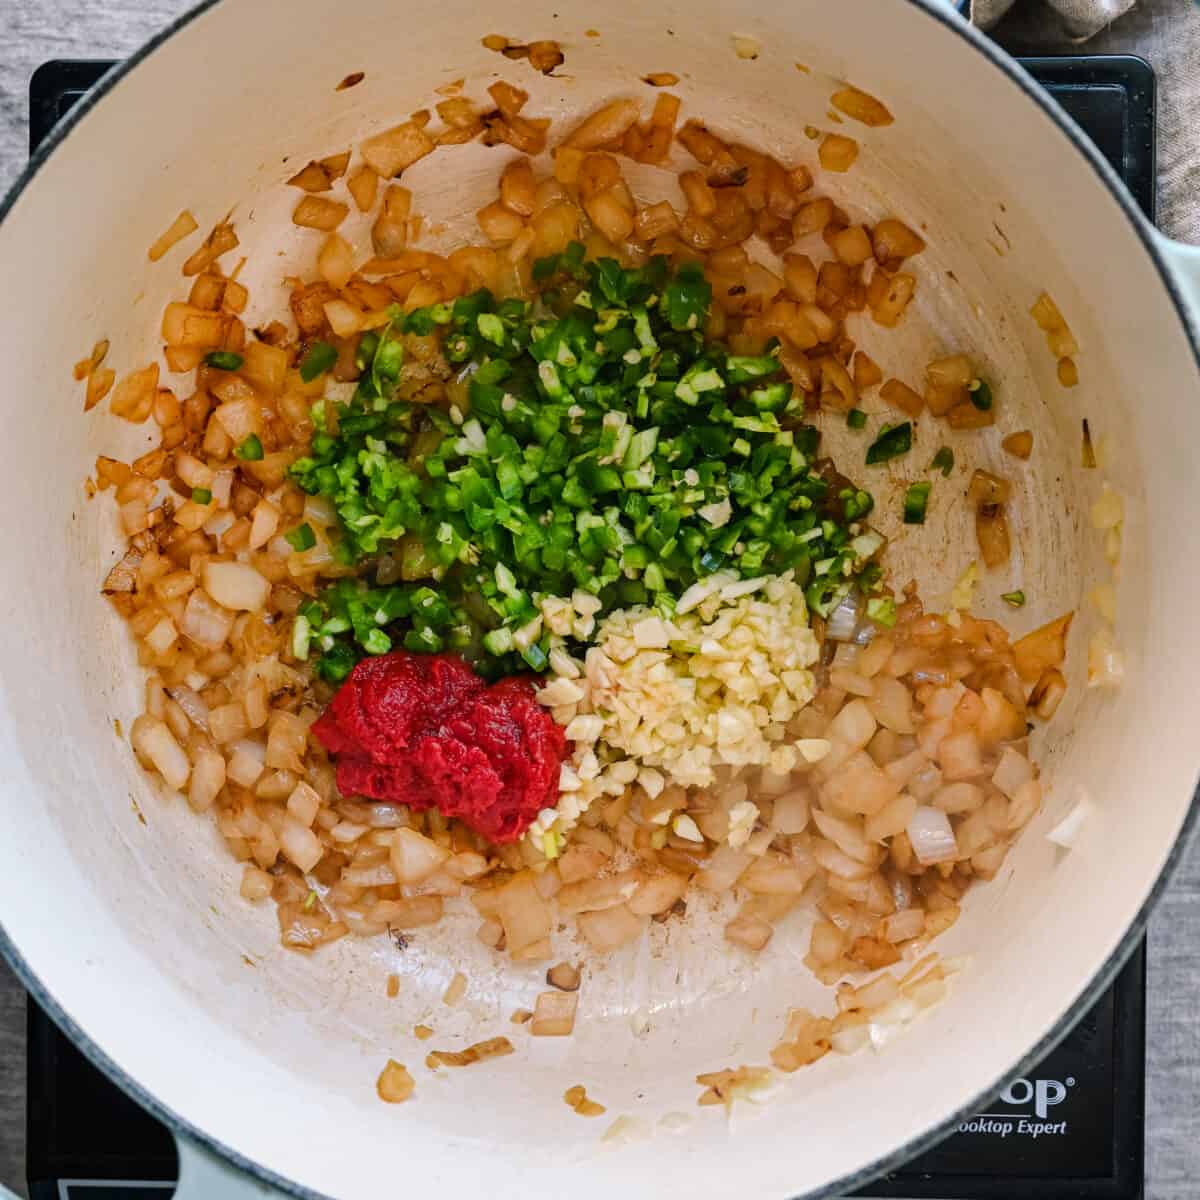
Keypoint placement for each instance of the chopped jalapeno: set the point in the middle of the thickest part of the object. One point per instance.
(882, 610)
(251, 450)
(301, 538)
(601, 443)
(981, 394)
(318, 359)
(223, 360)
(943, 461)
(892, 442)
(915, 501)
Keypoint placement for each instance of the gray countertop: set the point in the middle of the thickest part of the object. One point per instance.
(1167, 32)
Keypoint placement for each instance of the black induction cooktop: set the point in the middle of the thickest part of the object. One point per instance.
(1069, 1130)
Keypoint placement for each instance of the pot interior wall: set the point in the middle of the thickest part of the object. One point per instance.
(125, 904)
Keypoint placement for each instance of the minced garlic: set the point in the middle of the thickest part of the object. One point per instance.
(662, 701)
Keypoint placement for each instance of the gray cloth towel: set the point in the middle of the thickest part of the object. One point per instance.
(1080, 18)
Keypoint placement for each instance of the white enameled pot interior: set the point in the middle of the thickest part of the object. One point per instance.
(136, 929)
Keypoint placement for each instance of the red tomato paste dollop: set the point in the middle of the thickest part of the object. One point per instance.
(426, 731)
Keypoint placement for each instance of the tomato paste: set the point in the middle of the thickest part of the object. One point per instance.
(426, 731)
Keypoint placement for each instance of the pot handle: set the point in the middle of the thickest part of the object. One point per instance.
(205, 1176)
(1184, 262)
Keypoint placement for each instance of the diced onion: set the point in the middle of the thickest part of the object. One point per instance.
(843, 621)
(610, 928)
(907, 923)
(723, 868)
(246, 763)
(1106, 665)
(154, 741)
(299, 843)
(745, 46)
(208, 778)
(1011, 772)
(183, 224)
(395, 1084)
(851, 1039)
(335, 262)
(554, 1014)
(414, 856)
(791, 813)
(162, 637)
(256, 884)
(344, 319)
(236, 586)
(380, 875)
(964, 588)
(222, 486)
(1066, 832)
(304, 803)
(607, 124)
(264, 524)
(387, 816)
(240, 417)
(524, 915)
(931, 836)
(854, 726)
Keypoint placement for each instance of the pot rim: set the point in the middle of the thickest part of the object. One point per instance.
(1092, 988)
